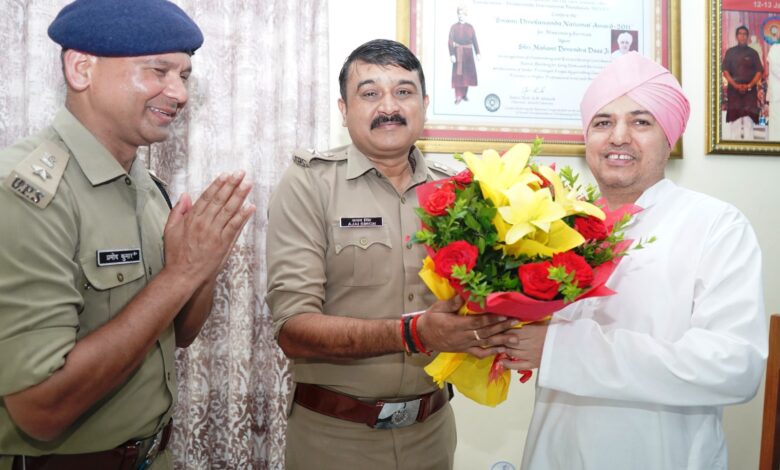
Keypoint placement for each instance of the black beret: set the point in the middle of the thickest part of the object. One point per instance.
(124, 28)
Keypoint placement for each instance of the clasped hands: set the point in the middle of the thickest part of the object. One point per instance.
(442, 329)
(199, 236)
(743, 87)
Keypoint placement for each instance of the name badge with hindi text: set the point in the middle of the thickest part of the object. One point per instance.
(359, 222)
(116, 257)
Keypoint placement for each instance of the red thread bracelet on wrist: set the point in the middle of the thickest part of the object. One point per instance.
(418, 344)
(408, 334)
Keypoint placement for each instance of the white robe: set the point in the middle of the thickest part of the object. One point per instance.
(638, 380)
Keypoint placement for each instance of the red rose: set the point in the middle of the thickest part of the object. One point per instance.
(457, 253)
(591, 228)
(583, 273)
(440, 200)
(464, 177)
(535, 280)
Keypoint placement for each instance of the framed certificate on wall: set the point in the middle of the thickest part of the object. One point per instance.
(505, 71)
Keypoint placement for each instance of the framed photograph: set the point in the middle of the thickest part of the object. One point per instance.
(743, 112)
(500, 72)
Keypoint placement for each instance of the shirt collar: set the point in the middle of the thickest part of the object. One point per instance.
(654, 193)
(95, 160)
(421, 173)
(358, 164)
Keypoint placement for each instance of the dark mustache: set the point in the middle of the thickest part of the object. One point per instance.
(383, 119)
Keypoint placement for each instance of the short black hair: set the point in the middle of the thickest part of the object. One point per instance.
(743, 27)
(381, 52)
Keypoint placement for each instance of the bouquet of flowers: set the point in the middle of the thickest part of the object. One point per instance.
(517, 239)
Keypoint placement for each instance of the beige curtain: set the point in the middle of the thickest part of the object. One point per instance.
(259, 89)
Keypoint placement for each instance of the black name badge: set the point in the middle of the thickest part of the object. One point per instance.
(355, 222)
(114, 257)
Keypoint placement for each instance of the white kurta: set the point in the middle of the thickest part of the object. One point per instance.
(638, 380)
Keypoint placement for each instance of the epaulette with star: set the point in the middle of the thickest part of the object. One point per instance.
(37, 177)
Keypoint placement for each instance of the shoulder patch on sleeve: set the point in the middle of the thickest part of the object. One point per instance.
(303, 157)
(37, 177)
(439, 167)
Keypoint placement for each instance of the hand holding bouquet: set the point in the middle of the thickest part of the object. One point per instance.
(516, 239)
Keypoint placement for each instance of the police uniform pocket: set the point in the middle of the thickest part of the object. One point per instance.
(106, 290)
(362, 256)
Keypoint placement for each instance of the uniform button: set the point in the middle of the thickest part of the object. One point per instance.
(169, 376)
(128, 181)
(338, 247)
(120, 277)
(410, 297)
(364, 241)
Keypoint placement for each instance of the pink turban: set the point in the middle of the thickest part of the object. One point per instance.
(647, 83)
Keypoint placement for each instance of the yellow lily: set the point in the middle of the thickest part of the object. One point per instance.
(558, 239)
(501, 226)
(528, 211)
(497, 173)
(568, 199)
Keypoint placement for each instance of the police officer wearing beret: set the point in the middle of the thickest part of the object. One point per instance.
(340, 277)
(93, 298)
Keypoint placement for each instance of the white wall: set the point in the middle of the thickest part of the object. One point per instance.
(487, 436)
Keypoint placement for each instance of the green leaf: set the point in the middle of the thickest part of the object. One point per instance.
(471, 222)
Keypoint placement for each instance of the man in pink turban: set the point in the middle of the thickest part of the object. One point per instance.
(639, 379)
(640, 87)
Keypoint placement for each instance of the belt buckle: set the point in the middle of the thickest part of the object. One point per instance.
(398, 415)
(154, 449)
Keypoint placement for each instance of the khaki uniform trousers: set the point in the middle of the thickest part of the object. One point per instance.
(318, 441)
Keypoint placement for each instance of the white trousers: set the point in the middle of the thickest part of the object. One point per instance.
(741, 129)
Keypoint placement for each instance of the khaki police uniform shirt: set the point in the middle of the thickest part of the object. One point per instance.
(337, 232)
(68, 268)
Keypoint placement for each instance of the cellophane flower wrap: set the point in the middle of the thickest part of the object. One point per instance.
(517, 239)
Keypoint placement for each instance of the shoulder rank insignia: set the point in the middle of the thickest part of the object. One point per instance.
(303, 157)
(36, 178)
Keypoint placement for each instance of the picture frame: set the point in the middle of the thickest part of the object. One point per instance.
(533, 67)
(740, 121)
